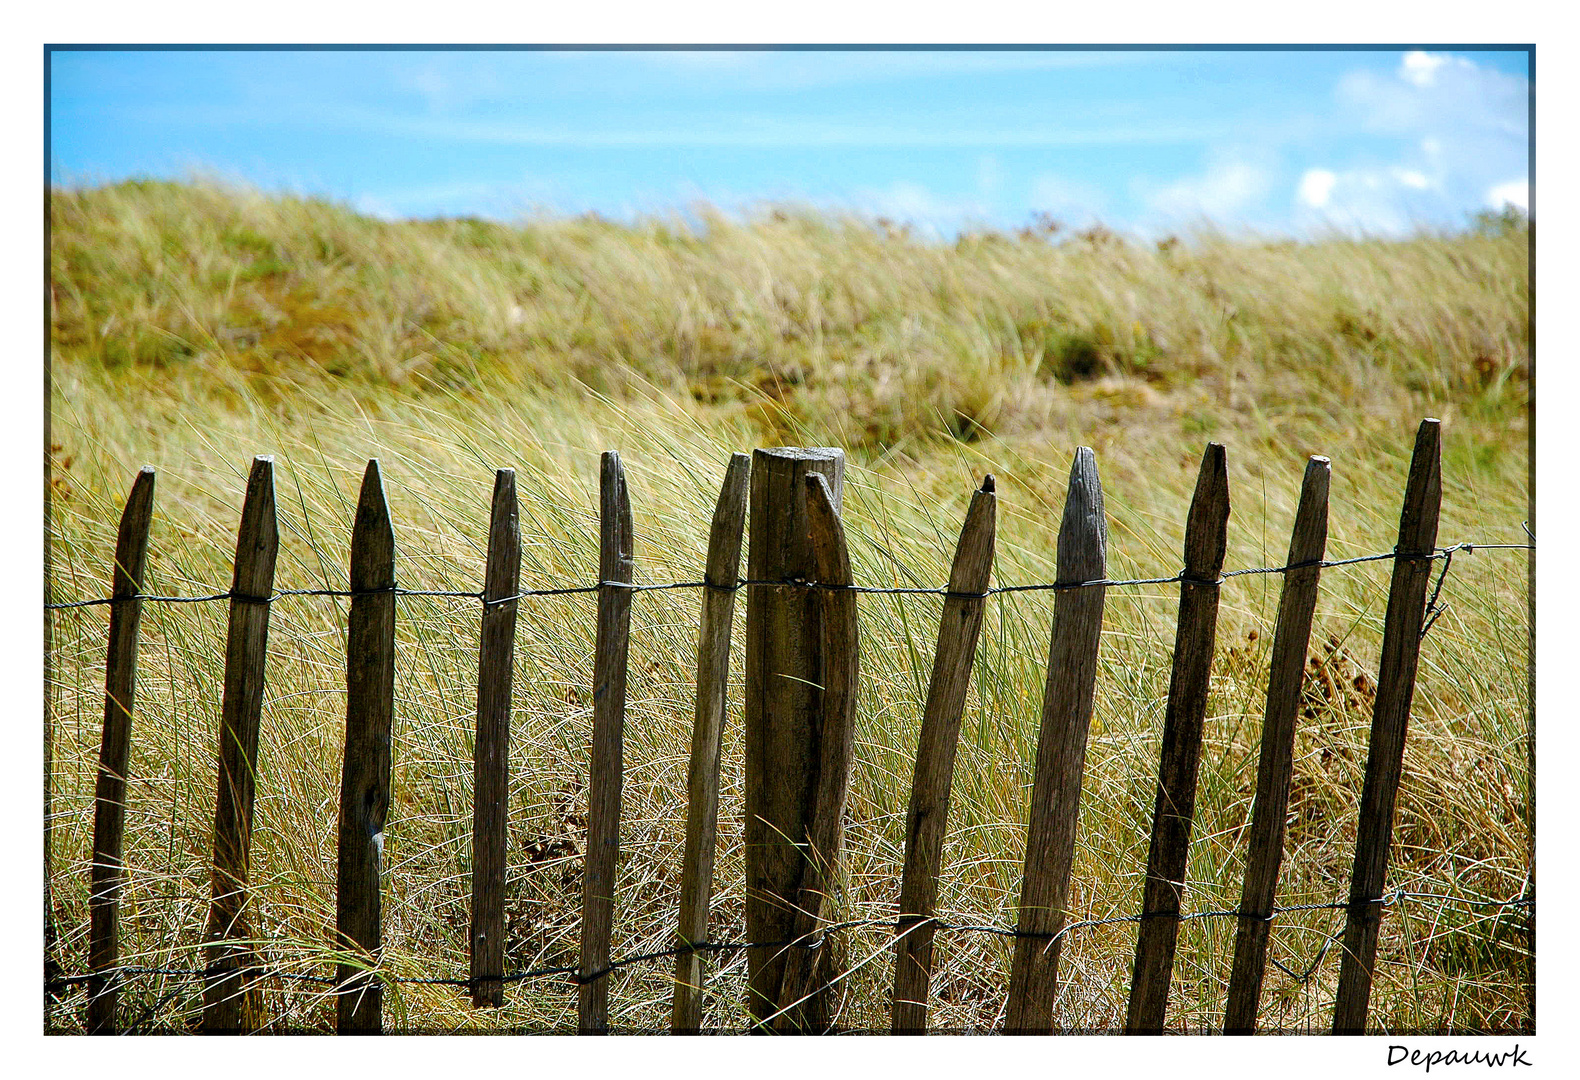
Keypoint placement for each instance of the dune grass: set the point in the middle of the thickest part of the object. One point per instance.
(194, 327)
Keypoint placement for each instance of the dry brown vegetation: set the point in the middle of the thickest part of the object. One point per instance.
(194, 327)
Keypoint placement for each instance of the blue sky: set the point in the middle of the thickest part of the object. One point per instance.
(1284, 142)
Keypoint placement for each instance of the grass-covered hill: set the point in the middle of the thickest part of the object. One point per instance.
(194, 327)
(862, 332)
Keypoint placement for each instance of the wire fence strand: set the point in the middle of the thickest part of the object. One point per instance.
(815, 939)
(1444, 553)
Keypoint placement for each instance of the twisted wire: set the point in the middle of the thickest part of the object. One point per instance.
(1444, 553)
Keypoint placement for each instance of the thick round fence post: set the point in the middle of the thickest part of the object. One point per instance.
(707, 733)
(230, 995)
(1206, 534)
(365, 767)
(491, 746)
(782, 707)
(928, 813)
(1286, 674)
(1401, 651)
(808, 970)
(1067, 703)
(109, 797)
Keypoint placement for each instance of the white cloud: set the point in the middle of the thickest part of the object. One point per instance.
(756, 70)
(1316, 186)
(1514, 193)
(1410, 178)
(1224, 192)
(1421, 68)
(1439, 97)
(1373, 200)
(728, 128)
(1463, 130)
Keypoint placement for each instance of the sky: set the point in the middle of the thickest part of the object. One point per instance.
(1282, 142)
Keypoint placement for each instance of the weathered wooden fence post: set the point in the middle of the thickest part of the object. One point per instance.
(782, 708)
(1206, 533)
(1287, 669)
(616, 564)
(1401, 651)
(807, 968)
(491, 746)
(365, 768)
(707, 732)
(230, 995)
(109, 799)
(1061, 750)
(928, 814)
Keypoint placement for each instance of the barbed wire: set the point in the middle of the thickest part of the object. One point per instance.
(812, 941)
(1444, 553)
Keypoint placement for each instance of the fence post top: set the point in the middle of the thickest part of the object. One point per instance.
(802, 453)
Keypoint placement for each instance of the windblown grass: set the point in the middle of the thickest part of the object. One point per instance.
(195, 327)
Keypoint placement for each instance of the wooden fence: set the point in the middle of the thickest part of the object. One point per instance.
(802, 671)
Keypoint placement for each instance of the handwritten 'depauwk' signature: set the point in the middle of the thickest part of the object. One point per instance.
(1403, 1055)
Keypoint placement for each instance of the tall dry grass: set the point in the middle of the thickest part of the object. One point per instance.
(195, 327)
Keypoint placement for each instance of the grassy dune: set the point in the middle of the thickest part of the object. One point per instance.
(194, 327)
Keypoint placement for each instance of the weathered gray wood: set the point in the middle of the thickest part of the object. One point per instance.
(1401, 651)
(928, 814)
(231, 1001)
(616, 563)
(1061, 751)
(1206, 532)
(109, 798)
(1265, 851)
(491, 746)
(783, 672)
(365, 768)
(803, 995)
(707, 732)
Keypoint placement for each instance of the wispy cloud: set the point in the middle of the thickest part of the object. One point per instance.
(1139, 140)
(1516, 193)
(754, 130)
(1231, 189)
(781, 70)
(1461, 131)
(1364, 200)
(1431, 91)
